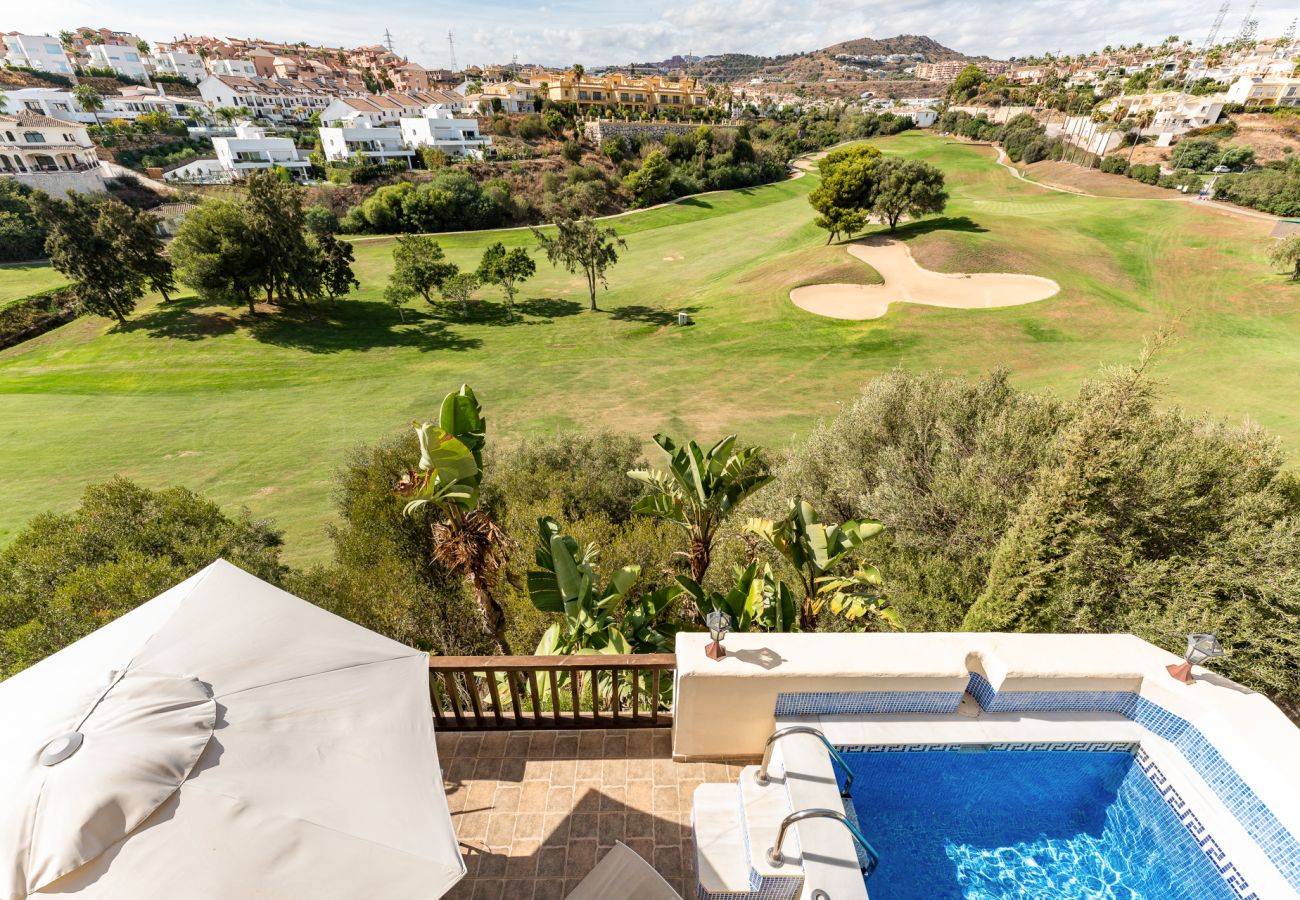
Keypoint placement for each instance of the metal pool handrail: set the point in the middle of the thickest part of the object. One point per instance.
(761, 775)
(774, 855)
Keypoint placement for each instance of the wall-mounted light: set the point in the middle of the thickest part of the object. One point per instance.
(1200, 647)
(718, 623)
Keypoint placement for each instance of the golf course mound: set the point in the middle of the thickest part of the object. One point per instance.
(906, 282)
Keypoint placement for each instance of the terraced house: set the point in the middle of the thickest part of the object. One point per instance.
(649, 94)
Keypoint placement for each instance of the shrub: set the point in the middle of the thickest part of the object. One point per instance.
(1114, 165)
(530, 127)
(21, 236)
(66, 575)
(1147, 174)
(321, 220)
(571, 151)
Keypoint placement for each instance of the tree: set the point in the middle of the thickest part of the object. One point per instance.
(142, 46)
(219, 255)
(275, 216)
(334, 260)
(1286, 254)
(506, 268)
(652, 183)
(88, 99)
(907, 187)
(816, 551)
(66, 38)
(419, 267)
(847, 189)
(580, 245)
(65, 575)
(444, 489)
(93, 241)
(460, 288)
(700, 489)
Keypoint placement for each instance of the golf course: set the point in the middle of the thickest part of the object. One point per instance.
(261, 412)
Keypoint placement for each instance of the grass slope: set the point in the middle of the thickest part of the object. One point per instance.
(261, 414)
(17, 280)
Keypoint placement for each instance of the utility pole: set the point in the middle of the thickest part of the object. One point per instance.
(1249, 25)
(388, 40)
(451, 49)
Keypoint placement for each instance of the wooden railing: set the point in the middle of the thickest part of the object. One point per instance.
(471, 693)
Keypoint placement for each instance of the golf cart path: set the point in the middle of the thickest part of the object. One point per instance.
(906, 282)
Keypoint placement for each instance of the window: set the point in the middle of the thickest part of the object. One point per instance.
(33, 105)
(132, 57)
(62, 107)
(53, 49)
(582, 95)
(33, 137)
(624, 97)
(595, 95)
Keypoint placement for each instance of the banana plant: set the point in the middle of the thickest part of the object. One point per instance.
(566, 583)
(444, 487)
(816, 550)
(700, 489)
(756, 602)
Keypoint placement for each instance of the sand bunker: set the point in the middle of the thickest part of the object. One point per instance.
(907, 282)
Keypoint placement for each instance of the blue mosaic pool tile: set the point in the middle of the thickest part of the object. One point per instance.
(1086, 746)
(848, 703)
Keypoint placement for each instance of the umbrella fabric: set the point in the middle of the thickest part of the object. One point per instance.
(235, 742)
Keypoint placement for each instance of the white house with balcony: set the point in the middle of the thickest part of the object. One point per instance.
(179, 63)
(241, 67)
(36, 51)
(50, 154)
(121, 58)
(440, 129)
(277, 99)
(1265, 90)
(510, 96)
(251, 148)
(61, 104)
(365, 141)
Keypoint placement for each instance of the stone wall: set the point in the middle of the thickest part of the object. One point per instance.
(56, 184)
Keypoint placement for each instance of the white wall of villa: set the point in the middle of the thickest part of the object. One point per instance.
(251, 149)
(121, 58)
(180, 63)
(49, 154)
(440, 129)
(375, 144)
(129, 104)
(36, 51)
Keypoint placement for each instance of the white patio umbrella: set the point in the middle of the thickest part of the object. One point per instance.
(224, 740)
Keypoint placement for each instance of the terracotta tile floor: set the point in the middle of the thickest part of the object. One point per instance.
(534, 810)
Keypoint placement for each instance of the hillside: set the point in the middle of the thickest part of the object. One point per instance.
(932, 50)
(822, 65)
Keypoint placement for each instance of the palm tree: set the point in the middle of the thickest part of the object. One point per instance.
(445, 489)
(1143, 120)
(700, 489)
(578, 71)
(89, 99)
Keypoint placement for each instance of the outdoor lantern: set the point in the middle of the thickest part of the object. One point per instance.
(719, 623)
(1200, 647)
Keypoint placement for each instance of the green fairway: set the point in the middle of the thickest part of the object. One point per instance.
(260, 415)
(20, 279)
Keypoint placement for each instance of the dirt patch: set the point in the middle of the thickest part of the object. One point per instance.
(1090, 181)
(907, 282)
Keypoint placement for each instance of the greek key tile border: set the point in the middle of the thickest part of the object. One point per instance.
(1074, 746)
(849, 703)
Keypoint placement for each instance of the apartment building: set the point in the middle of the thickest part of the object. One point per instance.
(1265, 90)
(1174, 112)
(506, 96)
(179, 63)
(382, 144)
(123, 59)
(242, 68)
(35, 51)
(277, 99)
(53, 155)
(650, 93)
(386, 109)
(950, 69)
(251, 149)
(62, 104)
(440, 129)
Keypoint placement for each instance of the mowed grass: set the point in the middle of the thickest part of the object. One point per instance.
(261, 414)
(20, 279)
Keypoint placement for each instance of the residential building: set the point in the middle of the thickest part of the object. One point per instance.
(409, 77)
(1174, 112)
(922, 116)
(387, 109)
(124, 59)
(277, 99)
(508, 96)
(180, 63)
(54, 155)
(650, 93)
(251, 148)
(365, 141)
(1263, 90)
(128, 104)
(950, 69)
(84, 37)
(34, 51)
(440, 129)
(242, 67)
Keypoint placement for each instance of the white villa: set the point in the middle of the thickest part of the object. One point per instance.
(53, 155)
(439, 128)
(251, 148)
(178, 62)
(367, 141)
(241, 67)
(513, 97)
(35, 51)
(121, 58)
(277, 99)
(1174, 112)
(130, 103)
(387, 108)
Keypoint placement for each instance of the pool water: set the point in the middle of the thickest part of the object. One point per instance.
(994, 825)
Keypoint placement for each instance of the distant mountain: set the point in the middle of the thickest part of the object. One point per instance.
(907, 44)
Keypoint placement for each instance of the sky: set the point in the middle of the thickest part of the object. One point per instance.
(596, 32)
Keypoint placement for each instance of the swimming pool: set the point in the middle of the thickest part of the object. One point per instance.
(1001, 824)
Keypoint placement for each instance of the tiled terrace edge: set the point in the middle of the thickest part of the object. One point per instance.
(1239, 743)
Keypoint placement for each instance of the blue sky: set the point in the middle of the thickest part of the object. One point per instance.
(561, 32)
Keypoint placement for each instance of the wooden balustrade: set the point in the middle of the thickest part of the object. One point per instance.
(472, 693)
